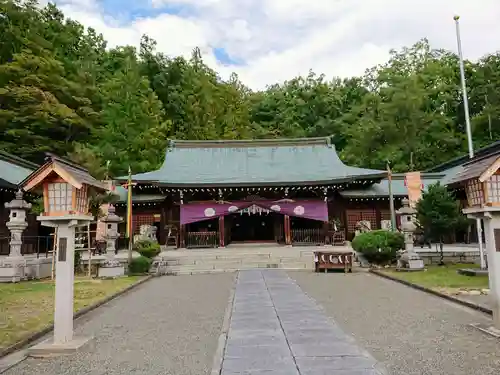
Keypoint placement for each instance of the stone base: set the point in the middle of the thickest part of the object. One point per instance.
(111, 272)
(11, 275)
(490, 330)
(472, 272)
(400, 269)
(416, 264)
(13, 269)
(25, 268)
(158, 267)
(49, 349)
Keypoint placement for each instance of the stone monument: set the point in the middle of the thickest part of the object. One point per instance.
(13, 267)
(409, 259)
(146, 233)
(111, 266)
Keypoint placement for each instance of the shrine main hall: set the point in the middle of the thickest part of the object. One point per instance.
(288, 191)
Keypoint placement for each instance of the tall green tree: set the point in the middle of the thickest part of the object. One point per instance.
(40, 110)
(438, 213)
(134, 132)
(411, 109)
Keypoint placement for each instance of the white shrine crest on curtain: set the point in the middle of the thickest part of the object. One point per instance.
(254, 210)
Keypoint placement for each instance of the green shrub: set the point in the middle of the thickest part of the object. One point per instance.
(149, 249)
(78, 260)
(379, 246)
(139, 265)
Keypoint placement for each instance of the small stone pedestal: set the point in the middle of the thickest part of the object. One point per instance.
(111, 267)
(409, 260)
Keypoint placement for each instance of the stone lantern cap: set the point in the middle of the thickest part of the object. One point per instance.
(406, 209)
(111, 217)
(18, 202)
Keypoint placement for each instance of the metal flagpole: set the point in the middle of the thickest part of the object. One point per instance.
(468, 130)
(129, 215)
(391, 199)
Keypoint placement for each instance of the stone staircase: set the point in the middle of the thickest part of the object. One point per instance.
(241, 257)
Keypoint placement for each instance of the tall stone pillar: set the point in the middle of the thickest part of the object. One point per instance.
(491, 217)
(12, 268)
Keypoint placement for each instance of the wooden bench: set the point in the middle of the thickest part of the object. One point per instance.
(329, 260)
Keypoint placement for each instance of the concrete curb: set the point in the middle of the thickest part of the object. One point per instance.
(37, 335)
(221, 345)
(468, 304)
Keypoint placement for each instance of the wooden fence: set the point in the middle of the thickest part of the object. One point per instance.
(304, 237)
(202, 240)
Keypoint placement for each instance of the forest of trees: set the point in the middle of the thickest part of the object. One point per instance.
(62, 90)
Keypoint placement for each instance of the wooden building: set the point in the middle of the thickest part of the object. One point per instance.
(289, 191)
(13, 170)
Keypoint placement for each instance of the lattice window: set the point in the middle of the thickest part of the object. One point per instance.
(81, 200)
(385, 215)
(475, 192)
(493, 186)
(354, 216)
(142, 219)
(60, 196)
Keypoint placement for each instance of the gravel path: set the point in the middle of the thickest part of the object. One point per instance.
(170, 325)
(410, 331)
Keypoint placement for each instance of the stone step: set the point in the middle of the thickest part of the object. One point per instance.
(238, 260)
(196, 272)
(238, 266)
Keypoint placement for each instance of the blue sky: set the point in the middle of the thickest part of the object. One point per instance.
(128, 10)
(269, 41)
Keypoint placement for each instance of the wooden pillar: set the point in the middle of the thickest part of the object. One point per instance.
(163, 222)
(182, 236)
(325, 233)
(378, 216)
(221, 231)
(288, 236)
(346, 225)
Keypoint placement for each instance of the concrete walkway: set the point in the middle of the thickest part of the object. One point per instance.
(276, 327)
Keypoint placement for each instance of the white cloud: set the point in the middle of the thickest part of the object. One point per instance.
(279, 39)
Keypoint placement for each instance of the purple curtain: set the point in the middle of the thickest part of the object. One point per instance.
(308, 209)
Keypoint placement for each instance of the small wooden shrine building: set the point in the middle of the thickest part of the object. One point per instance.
(289, 191)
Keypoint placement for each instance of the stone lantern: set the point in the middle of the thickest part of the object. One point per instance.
(65, 188)
(409, 260)
(481, 179)
(111, 267)
(13, 267)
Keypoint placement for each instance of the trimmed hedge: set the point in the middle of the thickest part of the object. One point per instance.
(139, 265)
(147, 249)
(379, 246)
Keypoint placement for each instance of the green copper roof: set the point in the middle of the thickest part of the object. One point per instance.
(13, 170)
(262, 162)
(121, 192)
(381, 189)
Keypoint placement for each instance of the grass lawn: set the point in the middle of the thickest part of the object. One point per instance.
(443, 278)
(28, 306)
